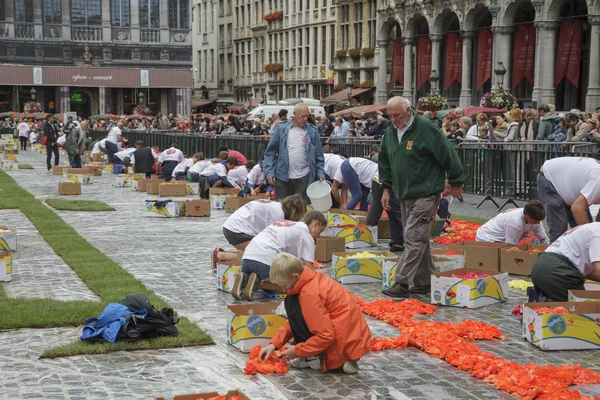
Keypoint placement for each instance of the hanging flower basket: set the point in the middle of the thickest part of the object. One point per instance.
(33, 107)
(368, 52)
(341, 54)
(354, 53)
(273, 67)
(432, 103)
(365, 84)
(499, 99)
(345, 104)
(274, 16)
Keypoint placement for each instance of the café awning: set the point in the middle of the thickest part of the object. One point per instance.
(343, 95)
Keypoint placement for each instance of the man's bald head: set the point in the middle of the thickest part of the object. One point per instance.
(301, 114)
(399, 111)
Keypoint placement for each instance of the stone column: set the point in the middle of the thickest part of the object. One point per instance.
(408, 68)
(592, 98)
(164, 99)
(37, 19)
(66, 20)
(102, 100)
(436, 45)
(135, 21)
(164, 21)
(366, 34)
(119, 101)
(338, 28)
(466, 91)
(545, 49)
(502, 51)
(9, 21)
(106, 33)
(352, 18)
(65, 99)
(381, 94)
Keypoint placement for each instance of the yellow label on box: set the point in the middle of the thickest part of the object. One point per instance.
(84, 179)
(171, 209)
(9, 157)
(356, 237)
(336, 219)
(470, 293)
(191, 188)
(226, 275)
(8, 240)
(123, 181)
(389, 269)
(5, 267)
(248, 331)
(359, 270)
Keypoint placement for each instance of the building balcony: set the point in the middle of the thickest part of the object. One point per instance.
(24, 31)
(149, 35)
(86, 33)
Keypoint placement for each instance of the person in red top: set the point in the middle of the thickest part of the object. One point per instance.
(327, 325)
(232, 153)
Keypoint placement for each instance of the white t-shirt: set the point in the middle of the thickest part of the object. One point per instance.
(581, 245)
(125, 153)
(187, 162)
(509, 227)
(96, 146)
(365, 169)
(333, 162)
(254, 217)
(214, 169)
(237, 176)
(473, 133)
(572, 176)
(23, 129)
(171, 154)
(113, 135)
(256, 176)
(61, 140)
(298, 157)
(281, 236)
(33, 137)
(200, 166)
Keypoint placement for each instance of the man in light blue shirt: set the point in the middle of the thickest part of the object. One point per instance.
(343, 128)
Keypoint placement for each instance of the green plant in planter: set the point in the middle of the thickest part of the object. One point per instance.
(368, 52)
(354, 53)
(341, 54)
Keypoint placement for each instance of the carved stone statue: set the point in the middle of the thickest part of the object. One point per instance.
(164, 55)
(87, 55)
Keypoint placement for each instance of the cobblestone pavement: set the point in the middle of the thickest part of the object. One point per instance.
(171, 257)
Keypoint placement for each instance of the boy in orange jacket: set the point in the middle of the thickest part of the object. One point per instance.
(327, 325)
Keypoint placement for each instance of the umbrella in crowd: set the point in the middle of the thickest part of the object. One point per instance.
(104, 116)
(470, 111)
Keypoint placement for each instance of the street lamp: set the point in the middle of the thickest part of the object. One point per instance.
(270, 93)
(500, 71)
(302, 90)
(250, 94)
(434, 78)
(349, 86)
(33, 93)
(141, 98)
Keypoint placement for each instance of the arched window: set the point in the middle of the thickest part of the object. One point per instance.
(52, 12)
(120, 14)
(150, 13)
(24, 11)
(86, 12)
(179, 14)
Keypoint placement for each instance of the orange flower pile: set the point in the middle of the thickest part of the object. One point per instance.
(548, 310)
(452, 342)
(471, 275)
(462, 231)
(274, 365)
(452, 253)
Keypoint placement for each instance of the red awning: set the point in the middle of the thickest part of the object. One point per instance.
(255, 102)
(343, 95)
(201, 103)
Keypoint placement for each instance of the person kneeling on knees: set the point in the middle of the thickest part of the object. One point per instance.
(327, 325)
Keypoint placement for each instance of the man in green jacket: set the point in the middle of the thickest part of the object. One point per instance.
(414, 159)
(548, 122)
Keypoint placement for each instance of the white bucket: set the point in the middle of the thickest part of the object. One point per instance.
(319, 193)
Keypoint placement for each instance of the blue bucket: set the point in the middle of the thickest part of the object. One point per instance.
(117, 169)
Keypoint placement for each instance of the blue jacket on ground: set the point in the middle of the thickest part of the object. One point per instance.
(276, 159)
(109, 323)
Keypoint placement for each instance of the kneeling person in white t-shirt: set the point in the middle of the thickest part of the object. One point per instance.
(296, 238)
(511, 225)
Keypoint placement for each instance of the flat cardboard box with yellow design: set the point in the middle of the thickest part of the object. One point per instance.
(78, 175)
(448, 289)
(584, 295)
(349, 269)
(122, 181)
(226, 272)
(389, 268)
(591, 285)
(520, 262)
(7, 165)
(218, 196)
(8, 239)
(164, 208)
(447, 262)
(191, 188)
(356, 236)
(340, 216)
(326, 246)
(480, 255)
(577, 330)
(6, 266)
(251, 325)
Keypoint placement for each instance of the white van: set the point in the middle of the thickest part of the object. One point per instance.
(263, 112)
(296, 100)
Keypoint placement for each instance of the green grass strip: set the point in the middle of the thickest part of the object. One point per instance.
(103, 276)
(25, 166)
(78, 205)
(469, 219)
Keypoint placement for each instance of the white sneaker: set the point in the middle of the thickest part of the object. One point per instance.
(350, 367)
(306, 362)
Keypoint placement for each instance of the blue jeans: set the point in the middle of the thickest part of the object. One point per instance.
(111, 150)
(359, 192)
(394, 214)
(260, 269)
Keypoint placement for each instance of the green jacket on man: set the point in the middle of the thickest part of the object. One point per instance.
(417, 166)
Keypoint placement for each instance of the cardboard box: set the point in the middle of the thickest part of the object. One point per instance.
(218, 196)
(8, 239)
(360, 270)
(234, 203)
(577, 330)
(447, 262)
(153, 185)
(98, 157)
(10, 151)
(208, 395)
(225, 275)
(59, 169)
(584, 295)
(251, 325)
(6, 266)
(383, 228)
(356, 236)
(191, 188)
(448, 290)
(170, 209)
(591, 285)
(168, 189)
(340, 216)
(84, 179)
(197, 208)
(8, 165)
(122, 181)
(95, 169)
(389, 268)
(326, 246)
(520, 262)
(69, 188)
(480, 255)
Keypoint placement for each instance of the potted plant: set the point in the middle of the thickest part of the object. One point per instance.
(341, 54)
(499, 99)
(274, 16)
(368, 52)
(432, 102)
(345, 104)
(354, 53)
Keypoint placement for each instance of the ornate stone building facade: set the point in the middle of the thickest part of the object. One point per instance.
(548, 50)
(113, 55)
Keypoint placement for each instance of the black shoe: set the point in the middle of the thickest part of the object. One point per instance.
(397, 290)
(396, 248)
(422, 289)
